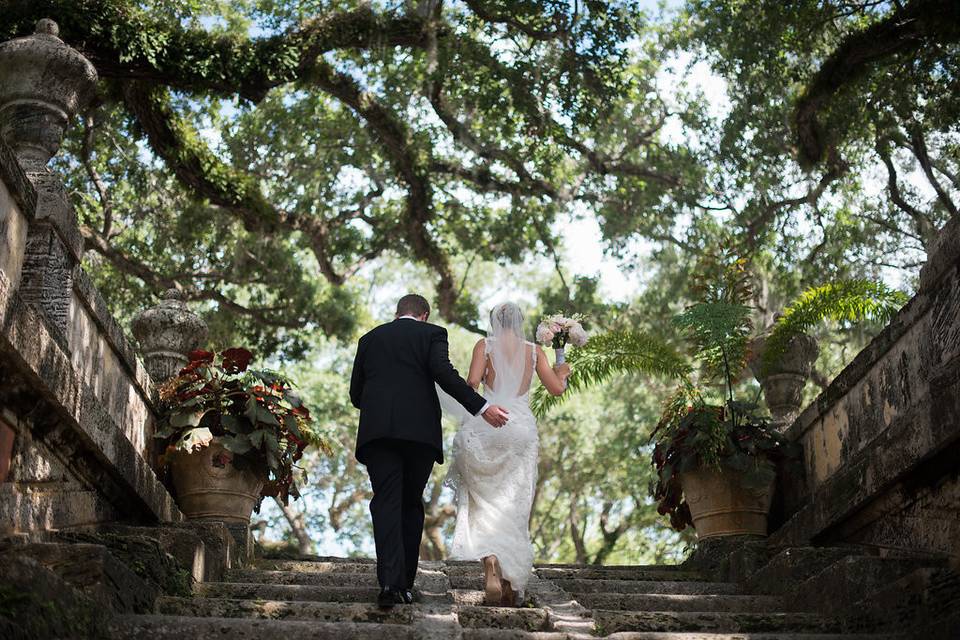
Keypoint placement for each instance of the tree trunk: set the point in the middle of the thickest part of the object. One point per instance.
(298, 527)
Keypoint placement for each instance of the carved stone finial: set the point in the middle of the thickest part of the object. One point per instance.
(43, 84)
(47, 26)
(167, 333)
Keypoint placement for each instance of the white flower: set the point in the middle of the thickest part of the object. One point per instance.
(578, 336)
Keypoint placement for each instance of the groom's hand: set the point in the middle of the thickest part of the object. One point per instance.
(496, 415)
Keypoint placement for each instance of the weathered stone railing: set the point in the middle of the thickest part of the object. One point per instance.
(13, 217)
(882, 442)
(106, 361)
(75, 402)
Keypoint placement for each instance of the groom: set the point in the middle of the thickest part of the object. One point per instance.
(400, 437)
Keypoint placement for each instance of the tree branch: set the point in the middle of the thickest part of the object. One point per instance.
(494, 17)
(395, 138)
(86, 153)
(157, 281)
(905, 30)
(926, 231)
(812, 196)
(122, 45)
(298, 526)
(919, 147)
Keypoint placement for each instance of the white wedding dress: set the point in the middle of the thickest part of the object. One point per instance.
(494, 470)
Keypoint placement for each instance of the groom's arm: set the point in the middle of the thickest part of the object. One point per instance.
(445, 375)
(357, 378)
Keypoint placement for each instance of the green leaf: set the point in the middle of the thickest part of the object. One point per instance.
(256, 438)
(237, 444)
(290, 421)
(270, 439)
(230, 423)
(842, 301)
(613, 353)
(252, 408)
(180, 420)
(264, 416)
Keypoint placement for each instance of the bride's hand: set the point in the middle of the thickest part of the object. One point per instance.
(562, 370)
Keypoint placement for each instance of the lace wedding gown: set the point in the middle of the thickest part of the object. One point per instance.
(494, 471)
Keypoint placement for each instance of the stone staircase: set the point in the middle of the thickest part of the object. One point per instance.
(332, 598)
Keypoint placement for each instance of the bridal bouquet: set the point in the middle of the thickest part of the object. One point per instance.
(557, 330)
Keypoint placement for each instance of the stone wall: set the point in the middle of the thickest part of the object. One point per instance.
(74, 394)
(41, 493)
(882, 443)
(106, 362)
(13, 231)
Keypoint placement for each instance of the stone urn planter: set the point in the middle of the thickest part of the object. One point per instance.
(166, 333)
(43, 84)
(232, 435)
(210, 487)
(784, 378)
(720, 504)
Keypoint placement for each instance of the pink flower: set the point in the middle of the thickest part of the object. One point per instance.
(578, 337)
(545, 334)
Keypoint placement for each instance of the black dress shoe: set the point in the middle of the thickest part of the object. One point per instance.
(389, 597)
(408, 596)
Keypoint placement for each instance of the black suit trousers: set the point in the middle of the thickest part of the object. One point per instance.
(399, 471)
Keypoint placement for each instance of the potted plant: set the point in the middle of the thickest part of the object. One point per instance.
(232, 435)
(715, 454)
(716, 465)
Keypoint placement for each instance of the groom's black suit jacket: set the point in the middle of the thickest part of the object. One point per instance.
(392, 384)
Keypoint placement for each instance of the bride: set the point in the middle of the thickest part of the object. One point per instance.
(494, 470)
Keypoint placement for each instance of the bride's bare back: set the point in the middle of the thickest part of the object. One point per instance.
(483, 369)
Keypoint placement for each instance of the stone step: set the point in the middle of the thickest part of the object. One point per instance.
(677, 602)
(268, 576)
(503, 634)
(608, 621)
(690, 587)
(470, 616)
(834, 589)
(523, 619)
(510, 634)
(97, 572)
(355, 612)
(309, 557)
(467, 596)
(160, 627)
(924, 599)
(603, 573)
(792, 566)
(290, 592)
(611, 567)
(324, 566)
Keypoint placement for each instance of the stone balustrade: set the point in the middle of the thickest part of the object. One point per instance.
(79, 403)
(881, 443)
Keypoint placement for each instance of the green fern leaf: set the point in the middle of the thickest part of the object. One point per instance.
(610, 354)
(841, 301)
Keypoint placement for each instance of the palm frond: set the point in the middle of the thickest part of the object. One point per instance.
(841, 301)
(612, 353)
